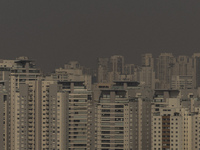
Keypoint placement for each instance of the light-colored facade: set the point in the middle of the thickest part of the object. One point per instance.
(63, 111)
(112, 121)
(175, 121)
(121, 116)
(3, 115)
(54, 117)
(79, 117)
(65, 115)
(20, 118)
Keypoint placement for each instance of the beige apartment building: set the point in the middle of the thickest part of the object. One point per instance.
(65, 115)
(175, 121)
(122, 117)
(19, 120)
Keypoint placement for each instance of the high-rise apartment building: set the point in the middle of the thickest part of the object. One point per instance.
(19, 108)
(66, 115)
(3, 116)
(164, 70)
(129, 69)
(79, 119)
(196, 71)
(183, 65)
(183, 71)
(122, 117)
(175, 121)
(148, 60)
(147, 77)
(146, 71)
(72, 72)
(116, 66)
(4, 93)
(129, 73)
(112, 120)
(103, 69)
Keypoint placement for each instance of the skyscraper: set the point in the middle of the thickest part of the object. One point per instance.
(196, 72)
(116, 66)
(122, 117)
(164, 70)
(19, 77)
(148, 60)
(147, 72)
(103, 69)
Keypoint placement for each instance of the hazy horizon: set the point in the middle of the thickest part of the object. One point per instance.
(53, 33)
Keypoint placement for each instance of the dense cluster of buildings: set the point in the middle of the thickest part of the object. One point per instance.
(164, 72)
(155, 106)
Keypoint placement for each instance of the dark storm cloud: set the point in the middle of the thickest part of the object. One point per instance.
(55, 32)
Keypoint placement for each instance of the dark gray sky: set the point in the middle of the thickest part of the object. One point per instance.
(54, 32)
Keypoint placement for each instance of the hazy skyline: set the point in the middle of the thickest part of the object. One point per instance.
(53, 32)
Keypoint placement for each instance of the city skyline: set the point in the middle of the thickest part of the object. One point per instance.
(119, 107)
(94, 65)
(100, 75)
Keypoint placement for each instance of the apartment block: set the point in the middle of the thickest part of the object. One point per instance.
(164, 70)
(175, 121)
(103, 69)
(121, 117)
(72, 71)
